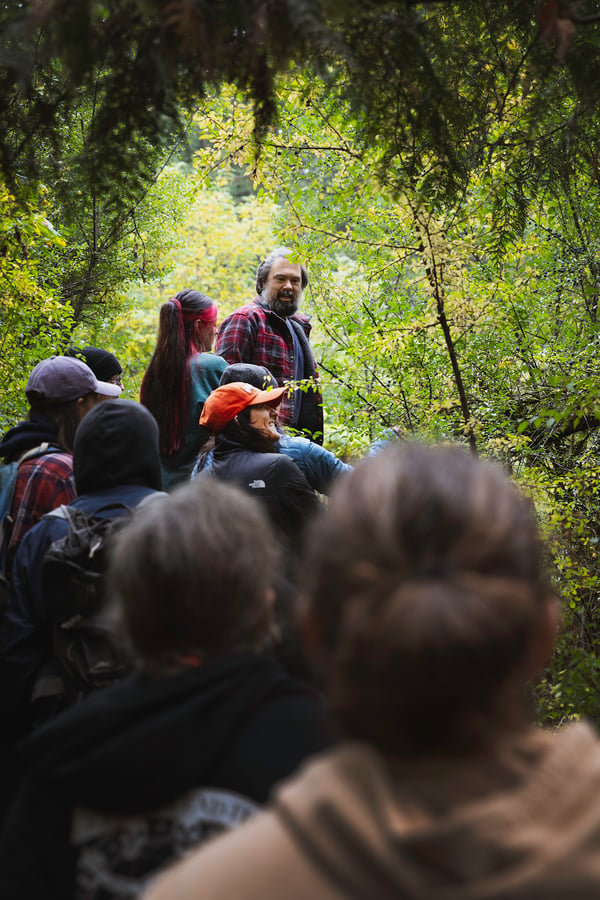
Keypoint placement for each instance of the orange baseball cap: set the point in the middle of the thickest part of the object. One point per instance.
(227, 401)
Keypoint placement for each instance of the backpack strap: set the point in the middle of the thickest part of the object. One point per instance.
(8, 493)
(60, 512)
(150, 498)
(64, 511)
(33, 451)
(44, 447)
(9, 483)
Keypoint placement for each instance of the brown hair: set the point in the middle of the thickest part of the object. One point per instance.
(262, 273)
(192, 574)
(66, 417)
(426, 584)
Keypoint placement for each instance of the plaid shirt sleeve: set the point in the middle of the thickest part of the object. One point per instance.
(43, 483)
(250, 335)
(236, 338)
(247, 335)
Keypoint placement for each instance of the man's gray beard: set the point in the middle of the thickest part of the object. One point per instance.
(283, 308)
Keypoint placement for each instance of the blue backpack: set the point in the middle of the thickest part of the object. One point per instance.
(8, 483)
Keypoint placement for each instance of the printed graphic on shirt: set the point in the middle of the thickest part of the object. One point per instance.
(257, 483)
(118, 856)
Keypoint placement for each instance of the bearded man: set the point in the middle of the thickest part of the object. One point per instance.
(270, 332)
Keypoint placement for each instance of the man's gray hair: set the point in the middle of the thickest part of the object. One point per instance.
(262, 273)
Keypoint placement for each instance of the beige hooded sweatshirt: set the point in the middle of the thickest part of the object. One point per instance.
(524, 825)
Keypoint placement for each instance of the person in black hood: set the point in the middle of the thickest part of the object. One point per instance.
(191, 744)
(117, 447)
(116, 465)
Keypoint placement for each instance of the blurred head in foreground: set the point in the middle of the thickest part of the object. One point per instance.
(427, 608)
(192, 576)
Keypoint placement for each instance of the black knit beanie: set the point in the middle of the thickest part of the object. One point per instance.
(103, 364)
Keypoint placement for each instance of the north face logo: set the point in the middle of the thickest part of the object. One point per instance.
(257, 483)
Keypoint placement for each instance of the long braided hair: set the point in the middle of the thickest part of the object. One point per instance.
(165, 389)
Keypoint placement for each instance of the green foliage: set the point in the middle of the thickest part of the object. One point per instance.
(512, 271)
(220, 244)
(427, 83)
(568, 504)
(112, 233)
(108, 248)
(32, 320)
(66, 259)
(434, 163)
(216, 245)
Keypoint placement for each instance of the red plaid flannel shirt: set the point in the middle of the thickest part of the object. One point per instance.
(43, 483)
(255, 334)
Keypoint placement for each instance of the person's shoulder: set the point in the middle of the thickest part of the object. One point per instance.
(274, 467)
(215, 361)
(284, 468)
(301, 317)
(265, 462)
(116, 501)
(262, 852)
(283, 461)
(35, 541)
(48, 459)
(280, 461)
(58, 464)
(208, 361)
(295, 442)
(303, 320)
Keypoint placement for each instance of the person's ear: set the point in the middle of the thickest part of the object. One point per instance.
(197, 337)
(85, 404)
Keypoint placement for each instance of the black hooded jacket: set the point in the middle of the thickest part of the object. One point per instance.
(116, 466)
(30, 433)
(277, 483)
(116, 444)
(141, 771)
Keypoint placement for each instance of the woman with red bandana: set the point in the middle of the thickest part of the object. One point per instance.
(181, 375)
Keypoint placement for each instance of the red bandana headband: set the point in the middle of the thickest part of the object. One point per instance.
(206, 317)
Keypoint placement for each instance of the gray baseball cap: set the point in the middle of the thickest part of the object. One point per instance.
(60, 379)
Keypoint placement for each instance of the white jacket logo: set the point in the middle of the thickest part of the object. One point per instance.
(257, 483)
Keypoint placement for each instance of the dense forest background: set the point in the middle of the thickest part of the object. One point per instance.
(436, 165)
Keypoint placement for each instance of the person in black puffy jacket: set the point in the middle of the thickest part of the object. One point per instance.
(243, 421)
